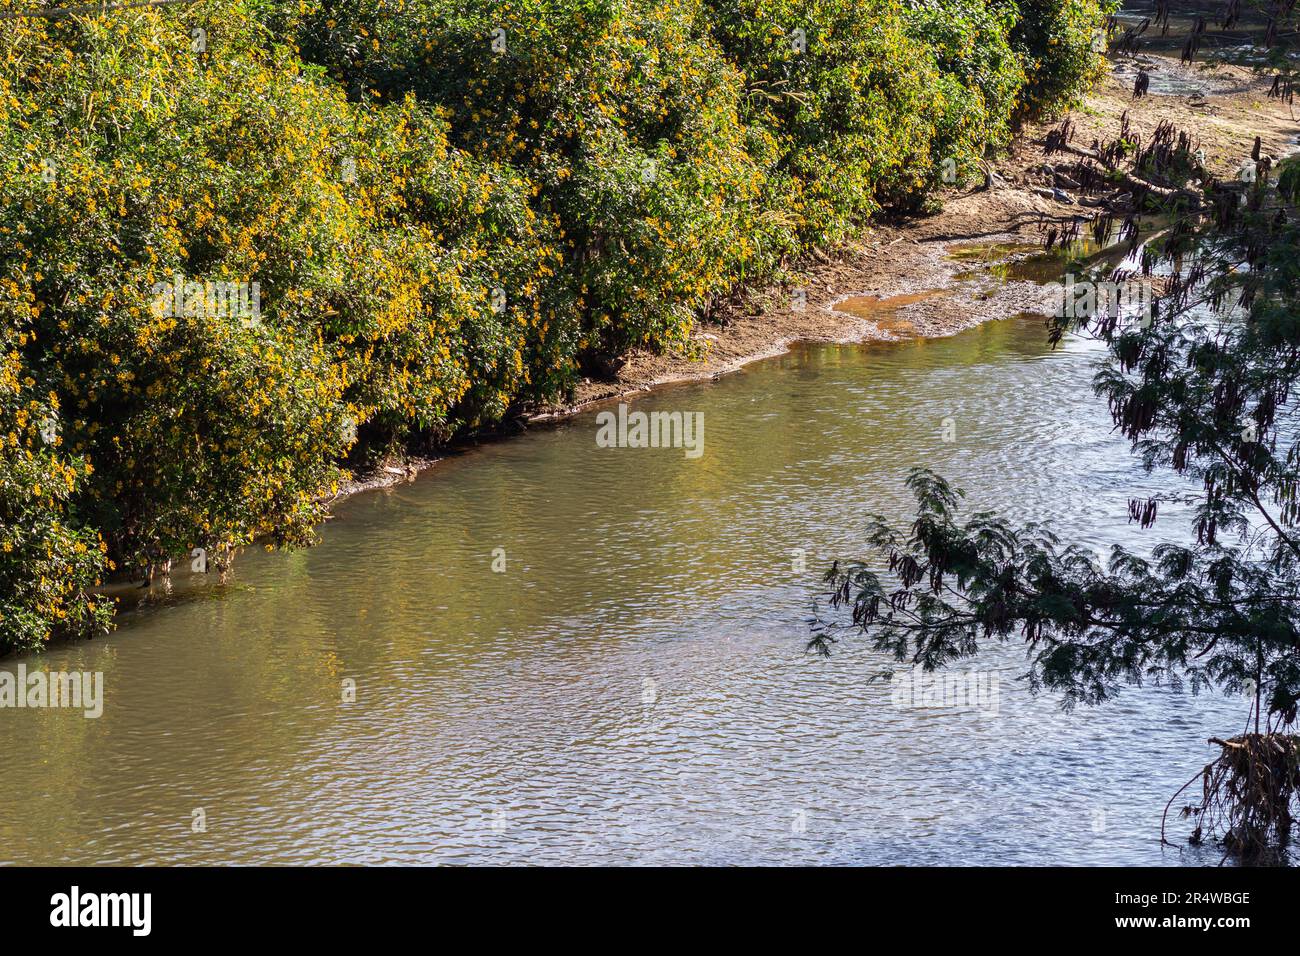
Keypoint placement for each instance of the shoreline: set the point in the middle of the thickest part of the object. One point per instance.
(920, 289)
(925, 277)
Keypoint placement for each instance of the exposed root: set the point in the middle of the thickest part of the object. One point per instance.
(1248, 795)
(1167, 152)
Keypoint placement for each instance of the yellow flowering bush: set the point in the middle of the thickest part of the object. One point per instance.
(844, 99)
(203, 429)
(981, 75)
(48, 561)
(625, 120)
(1058, 40)
(245, 242)
(368, 251)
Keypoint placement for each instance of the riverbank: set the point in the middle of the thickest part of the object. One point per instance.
(386, 247)
(919, 277)
(1225, 109)
(637, 670)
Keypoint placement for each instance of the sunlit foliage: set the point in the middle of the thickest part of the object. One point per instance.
(450, 210)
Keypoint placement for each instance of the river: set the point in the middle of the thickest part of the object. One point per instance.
(632, 688)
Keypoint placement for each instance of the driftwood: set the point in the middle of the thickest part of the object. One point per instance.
(1099, 164)
(1249, 795)
(1130, 179)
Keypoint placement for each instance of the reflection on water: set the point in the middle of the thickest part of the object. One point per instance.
(1245, 44)
(1019, 261)
(632, 688)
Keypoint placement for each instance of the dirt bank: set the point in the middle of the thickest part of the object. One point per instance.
(915, 278)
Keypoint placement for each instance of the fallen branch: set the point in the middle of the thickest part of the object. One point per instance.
(1058, 141)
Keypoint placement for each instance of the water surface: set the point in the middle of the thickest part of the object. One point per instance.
(633, 687)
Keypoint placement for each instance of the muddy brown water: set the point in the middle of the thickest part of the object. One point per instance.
(568, 653)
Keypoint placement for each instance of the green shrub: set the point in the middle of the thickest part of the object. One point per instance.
(840, 102)
(1058, 41)
(623, 117)
(375, 285)
(450, 208)
(981, 74)
(48, 564)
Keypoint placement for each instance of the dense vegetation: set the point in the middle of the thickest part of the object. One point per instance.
(451, 209)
